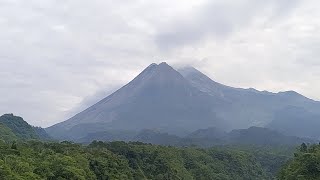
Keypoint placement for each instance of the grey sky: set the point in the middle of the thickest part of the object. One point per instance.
(59, 56)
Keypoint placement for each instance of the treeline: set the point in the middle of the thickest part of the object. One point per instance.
(120, 160)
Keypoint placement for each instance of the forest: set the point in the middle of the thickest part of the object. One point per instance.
(120, 160)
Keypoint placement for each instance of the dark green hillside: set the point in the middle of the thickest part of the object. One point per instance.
(6, 134)
(20, 128)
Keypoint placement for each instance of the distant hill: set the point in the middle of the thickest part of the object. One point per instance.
(183, 101)
(15, 128)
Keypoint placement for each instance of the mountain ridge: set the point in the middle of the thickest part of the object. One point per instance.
(249, 106)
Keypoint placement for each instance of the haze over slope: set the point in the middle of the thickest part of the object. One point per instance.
(180, 102)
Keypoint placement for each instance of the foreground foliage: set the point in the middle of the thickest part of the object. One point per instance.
(120, 160)
(304, 166)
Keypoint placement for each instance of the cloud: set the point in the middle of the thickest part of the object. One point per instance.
(218, 20)
(58, 57)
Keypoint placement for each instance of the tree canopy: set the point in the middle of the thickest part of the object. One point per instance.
(120, 160)
(304, 166)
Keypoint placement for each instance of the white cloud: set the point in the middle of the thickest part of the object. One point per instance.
(54, 55)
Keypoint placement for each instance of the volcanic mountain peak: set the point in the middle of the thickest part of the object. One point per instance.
(162, 70)
(161, 97)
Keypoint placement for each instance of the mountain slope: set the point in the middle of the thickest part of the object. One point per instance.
(296, 121)
(159, 97)
(248, 107)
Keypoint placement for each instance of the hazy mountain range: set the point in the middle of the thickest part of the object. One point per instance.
(182, 101)
(202, 138)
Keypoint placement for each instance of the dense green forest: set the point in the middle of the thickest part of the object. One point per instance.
(120, 160)
(27, 152)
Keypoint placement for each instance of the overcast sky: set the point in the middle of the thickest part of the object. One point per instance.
(59, 56)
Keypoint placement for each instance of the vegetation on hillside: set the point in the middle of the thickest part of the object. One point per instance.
(15, 128)
(6, 134)
(18, 126)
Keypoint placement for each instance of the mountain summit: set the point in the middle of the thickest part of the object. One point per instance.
(159, 97)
